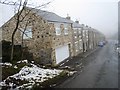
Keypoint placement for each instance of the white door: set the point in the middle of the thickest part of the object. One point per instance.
(62, 53)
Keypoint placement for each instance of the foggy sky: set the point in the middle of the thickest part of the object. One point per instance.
(99, 14)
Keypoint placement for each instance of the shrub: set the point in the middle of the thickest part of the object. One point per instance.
(6, 52)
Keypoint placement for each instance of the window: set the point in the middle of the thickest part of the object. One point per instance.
(75, 30)
(87, 37)
(66, 29)
(86, 31)
(75, 42)
(75, 36)
(27, 33)
(80, 40)
(83, 33)
(80, 44)
(79, 31)
(80, 36)
(76, 46)
(57, 29)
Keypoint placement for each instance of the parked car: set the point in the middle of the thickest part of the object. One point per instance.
(104, 42)
(101, 44)
(118, 50)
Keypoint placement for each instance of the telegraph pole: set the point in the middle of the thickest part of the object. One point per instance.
(119, 44)
(119, 23)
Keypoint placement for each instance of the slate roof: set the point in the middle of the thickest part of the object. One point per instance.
(77, 25)
(50, 16)
(84, 27)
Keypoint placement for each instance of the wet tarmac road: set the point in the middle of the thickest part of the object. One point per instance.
(100, 70)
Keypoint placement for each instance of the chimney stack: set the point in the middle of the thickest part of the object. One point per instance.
(68, 17)
(83, 25)
(77, 21)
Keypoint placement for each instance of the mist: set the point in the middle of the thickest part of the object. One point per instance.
(99, 14)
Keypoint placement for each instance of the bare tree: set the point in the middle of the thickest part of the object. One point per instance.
(20, 6)
(23, 31)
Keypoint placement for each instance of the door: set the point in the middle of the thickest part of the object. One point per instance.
(62, 53)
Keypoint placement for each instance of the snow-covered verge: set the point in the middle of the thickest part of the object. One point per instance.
(6, 64)
(23, 61)
(29, 75)
(24, 74)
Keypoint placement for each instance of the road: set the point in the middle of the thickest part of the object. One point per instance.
(100, 70)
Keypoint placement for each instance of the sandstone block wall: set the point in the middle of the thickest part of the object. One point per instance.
(44, 39)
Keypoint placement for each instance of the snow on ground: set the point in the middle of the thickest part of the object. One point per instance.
(35, 73)
(6, 64)
(32, 74)
(23, 61)
(71, 73)
(15, 67)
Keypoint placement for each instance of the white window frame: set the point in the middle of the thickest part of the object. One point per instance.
(80, 44)
(80, 36)
(28, 33)
(75, 36)
(76, 46)
(75, 30)
(79, 31)
(87, 36)
(84, 33)
(57, 29)
(87, 39)
(66, 31)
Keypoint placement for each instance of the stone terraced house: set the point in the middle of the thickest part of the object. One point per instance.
(49, 37)
(77, 38)
(85, 38)
(91, 38)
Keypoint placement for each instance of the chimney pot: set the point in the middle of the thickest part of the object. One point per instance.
(77, 21)
(68, 17)
(83, 24)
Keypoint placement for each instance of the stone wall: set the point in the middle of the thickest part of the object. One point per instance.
(61, 40)
(7, 30)
(43, 41)
(39, 44)
(77, 41)
(90, 39)
(85, 39)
